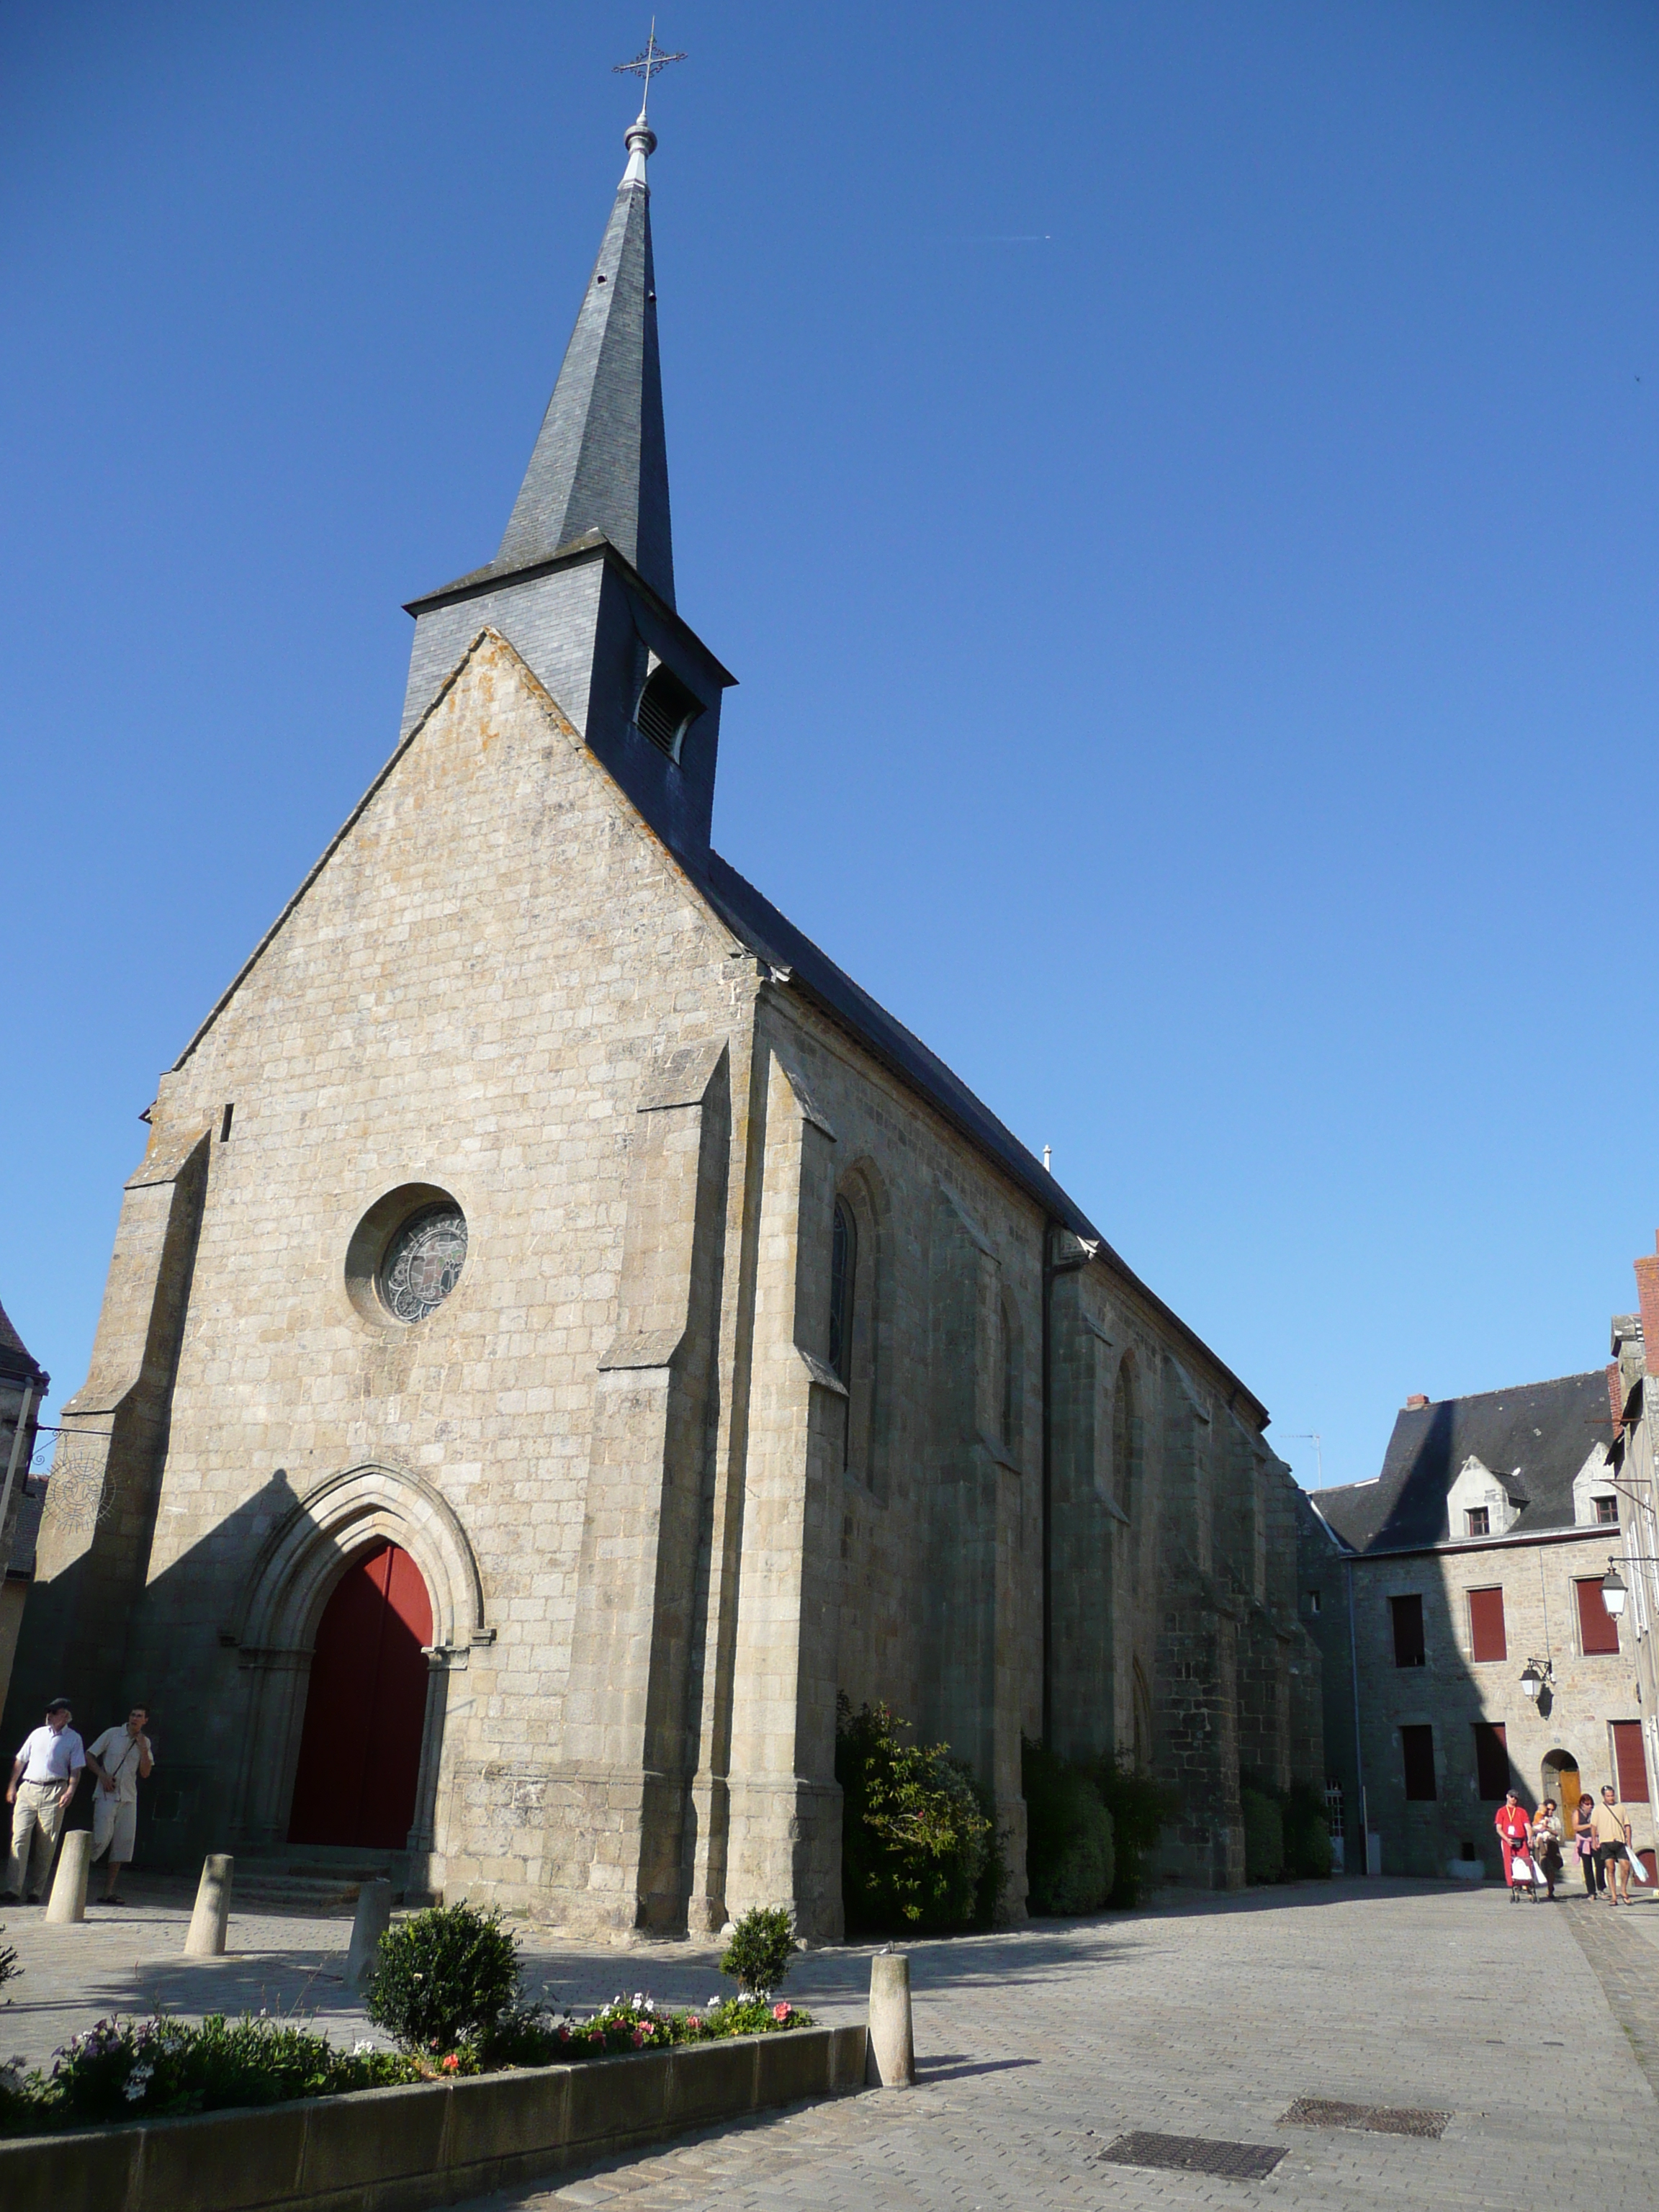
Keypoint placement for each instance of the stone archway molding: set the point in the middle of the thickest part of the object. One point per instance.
(287, 1586)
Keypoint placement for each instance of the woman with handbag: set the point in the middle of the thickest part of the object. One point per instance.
(1583, 1842)
(1545, 1841)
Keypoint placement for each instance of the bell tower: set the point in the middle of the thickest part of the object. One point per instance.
(583, 584)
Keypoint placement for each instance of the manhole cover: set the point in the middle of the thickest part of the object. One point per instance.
(1381, 2119)
(1195, 2154)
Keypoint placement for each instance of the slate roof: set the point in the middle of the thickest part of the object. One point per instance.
(600, 460)
(1535, 1436)
(770, 935)
(15, 1362)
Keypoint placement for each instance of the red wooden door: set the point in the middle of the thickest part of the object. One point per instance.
(360, 1754)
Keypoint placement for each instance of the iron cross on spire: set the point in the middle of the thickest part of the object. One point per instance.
(647, 66)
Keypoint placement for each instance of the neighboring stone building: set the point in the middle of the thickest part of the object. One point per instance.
(1475, 1559)
(1633, 1559)
(562, 1331)
(23, 1384)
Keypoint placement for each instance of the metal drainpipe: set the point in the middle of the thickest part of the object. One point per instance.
(1359, 1755)
(1048, 1485)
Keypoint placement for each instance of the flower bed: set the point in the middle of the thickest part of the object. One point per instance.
(130, 2069)
(416, 2145)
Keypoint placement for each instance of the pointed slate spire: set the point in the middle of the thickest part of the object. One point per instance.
(601, 461)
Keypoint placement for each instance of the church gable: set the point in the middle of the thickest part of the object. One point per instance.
(492, 847)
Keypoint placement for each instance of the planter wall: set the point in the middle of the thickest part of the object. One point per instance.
(400, 2150)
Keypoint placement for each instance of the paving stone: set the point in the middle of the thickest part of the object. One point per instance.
(1204, 2016)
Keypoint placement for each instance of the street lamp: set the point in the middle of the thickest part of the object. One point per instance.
(1613, 1592)
(1531, 1680)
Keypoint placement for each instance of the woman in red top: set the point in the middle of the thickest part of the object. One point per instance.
(1513, 1827)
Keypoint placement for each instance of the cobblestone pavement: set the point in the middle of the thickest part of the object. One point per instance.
(1627, 1970)
(1203, 2016)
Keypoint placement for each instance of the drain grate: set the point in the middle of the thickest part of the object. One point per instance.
(1381, 2119)
(1195, 2154)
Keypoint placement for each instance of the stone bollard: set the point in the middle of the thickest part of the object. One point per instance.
(207, 1923)
(373, 1918)
(892, 2056)
(68, 1900)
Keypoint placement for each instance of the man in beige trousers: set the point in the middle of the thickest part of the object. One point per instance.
(45, 1777)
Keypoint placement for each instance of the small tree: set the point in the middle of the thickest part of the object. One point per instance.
(443, 1976)
(762, 1949)
(917, 1842)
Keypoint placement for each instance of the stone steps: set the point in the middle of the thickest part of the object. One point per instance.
(276, 1891)
(301, 1881)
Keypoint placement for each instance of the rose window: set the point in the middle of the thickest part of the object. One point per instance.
(423, 1263)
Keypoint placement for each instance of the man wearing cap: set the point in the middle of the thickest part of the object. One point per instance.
(45, 1777)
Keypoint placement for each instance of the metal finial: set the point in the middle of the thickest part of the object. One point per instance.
(647, 64)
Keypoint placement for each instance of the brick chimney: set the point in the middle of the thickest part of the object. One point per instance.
(1616, 1397)
(1647, 1297)
(1416, 1403)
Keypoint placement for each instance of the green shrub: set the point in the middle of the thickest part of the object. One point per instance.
(1308, 1855)
(1070, 1863)
(9, 1968)
(762, 1945)
(1141, 1808)
(444, 1977)
(1264, 1837)
(917, 1847)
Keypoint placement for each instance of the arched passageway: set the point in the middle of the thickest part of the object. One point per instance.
(360, 1750)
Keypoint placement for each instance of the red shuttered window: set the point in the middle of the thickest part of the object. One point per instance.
(1598, 1631)
(1629, 1763)
(1487, 1638)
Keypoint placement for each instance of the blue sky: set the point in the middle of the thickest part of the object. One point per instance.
(1177, 485)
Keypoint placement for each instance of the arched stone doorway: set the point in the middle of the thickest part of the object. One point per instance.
(365, 1719)
(347, 1522)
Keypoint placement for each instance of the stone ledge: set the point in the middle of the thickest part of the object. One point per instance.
(402, 2149)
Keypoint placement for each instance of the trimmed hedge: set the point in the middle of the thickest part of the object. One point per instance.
(1070, 1859)
(1287, 1835)
(1141, 1808)
(1264, 1837)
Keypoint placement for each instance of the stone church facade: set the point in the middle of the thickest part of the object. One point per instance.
(562, 1334)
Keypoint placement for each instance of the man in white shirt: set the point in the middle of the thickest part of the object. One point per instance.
(119, 1759)
(45, 1777)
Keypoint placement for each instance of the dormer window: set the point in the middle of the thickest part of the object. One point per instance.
(666, 711)
(1607, 1512)
(1478, 1521)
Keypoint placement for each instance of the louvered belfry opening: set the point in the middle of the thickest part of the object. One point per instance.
(667, 710)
